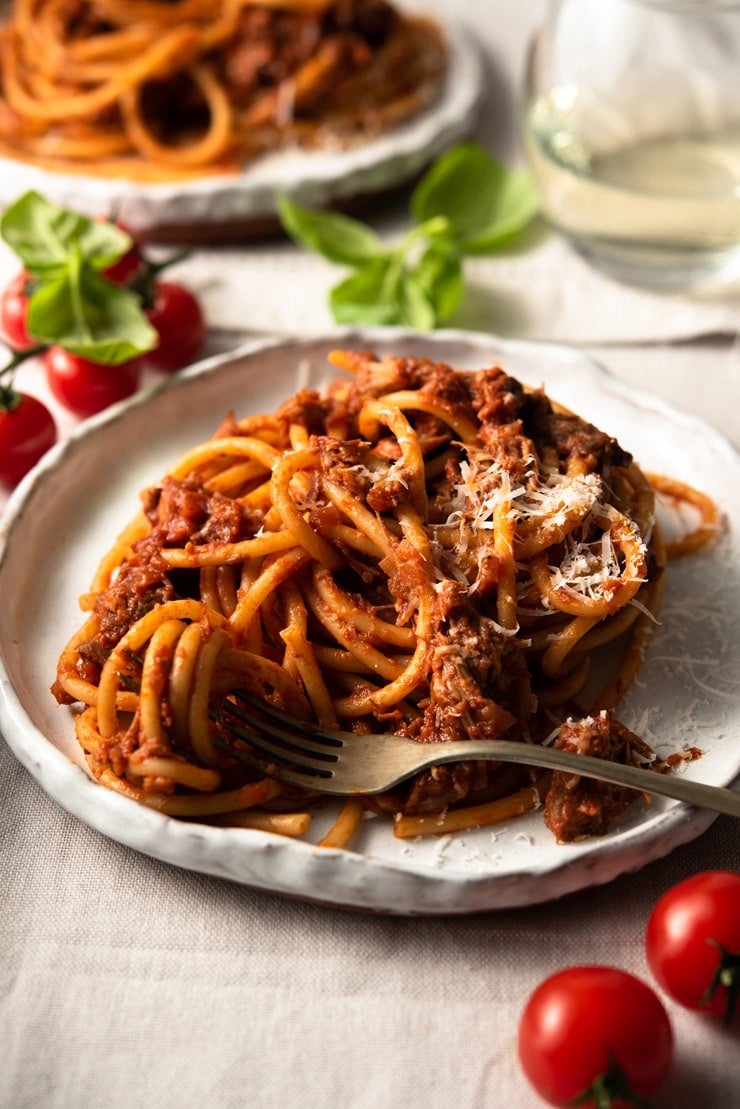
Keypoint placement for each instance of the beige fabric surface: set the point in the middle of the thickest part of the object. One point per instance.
(519, 295)
(126, 983)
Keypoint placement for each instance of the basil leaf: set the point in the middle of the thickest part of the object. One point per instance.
(466, 203)
(439, 274)
(416, 309)
(370, 295)
(483, 200)
(42, 234)
(336, 237)
(88, 315)
(383, 292)
(518, 205)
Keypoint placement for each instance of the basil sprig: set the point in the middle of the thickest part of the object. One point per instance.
(467, 203)
(72, 303)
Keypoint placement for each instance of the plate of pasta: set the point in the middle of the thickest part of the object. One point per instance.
(443, 536)
(186, 120)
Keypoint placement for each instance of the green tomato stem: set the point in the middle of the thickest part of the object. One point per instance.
(143, 282)
(19, 356)
(610, 1087)
(9, 398)
(727, 974)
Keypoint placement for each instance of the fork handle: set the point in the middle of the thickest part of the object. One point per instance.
(715, 798)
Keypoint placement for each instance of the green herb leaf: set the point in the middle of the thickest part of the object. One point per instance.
(370, 295)
(42, 235)
(466, 203)
(72, 303)
(518, 205)
(415, 307)
(483, 201)
(88, 315)
(383, 293)
(336, 237)
(439, 274)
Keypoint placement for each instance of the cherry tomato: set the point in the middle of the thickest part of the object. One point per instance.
(86, 387)
(598, 1031)
(126, 268)
(129, 264)
(692, 942)
(27, 430)
(14, 313)
(177, 316)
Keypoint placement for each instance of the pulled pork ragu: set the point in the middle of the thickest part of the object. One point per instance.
(576, 807)
(517, 552)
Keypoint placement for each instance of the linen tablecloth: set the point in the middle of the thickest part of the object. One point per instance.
(125, 982)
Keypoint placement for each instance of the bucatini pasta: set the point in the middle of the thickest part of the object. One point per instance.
(153, 90)
(435, 553)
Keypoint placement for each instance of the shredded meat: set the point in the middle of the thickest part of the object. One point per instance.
(181, 512)
(572, 437)
(312, 411)
(140, 585)
(347, 463)
(474, 691)
(497, 398)
(576, 807)
(510, 449)
(271, 44)
(500, 399)
(434, 379)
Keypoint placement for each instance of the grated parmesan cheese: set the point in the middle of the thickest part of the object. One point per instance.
(549, 495)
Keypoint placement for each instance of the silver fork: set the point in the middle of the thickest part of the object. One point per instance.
(344, 763)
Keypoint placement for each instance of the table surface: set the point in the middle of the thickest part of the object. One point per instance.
(126, 982)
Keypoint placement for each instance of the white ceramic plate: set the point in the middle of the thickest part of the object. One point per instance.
(310, 177)
(67, 512)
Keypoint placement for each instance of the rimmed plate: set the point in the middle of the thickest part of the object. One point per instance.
(225, 207)
(67, 512)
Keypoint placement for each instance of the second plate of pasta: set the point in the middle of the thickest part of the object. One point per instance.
(92, 127)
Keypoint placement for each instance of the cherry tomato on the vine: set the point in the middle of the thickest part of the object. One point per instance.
(597, 1032)
(126, 268)
(130, 264)
(692, 942)
(86, 387)
(14, 313)
(27, 430)
(177, 317)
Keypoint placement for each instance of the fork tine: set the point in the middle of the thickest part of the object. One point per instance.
(290, 756)
(290, 726)
(288, 731)
(272, 760)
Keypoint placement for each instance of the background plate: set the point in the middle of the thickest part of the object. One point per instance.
(224, 207)
(65, 514)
